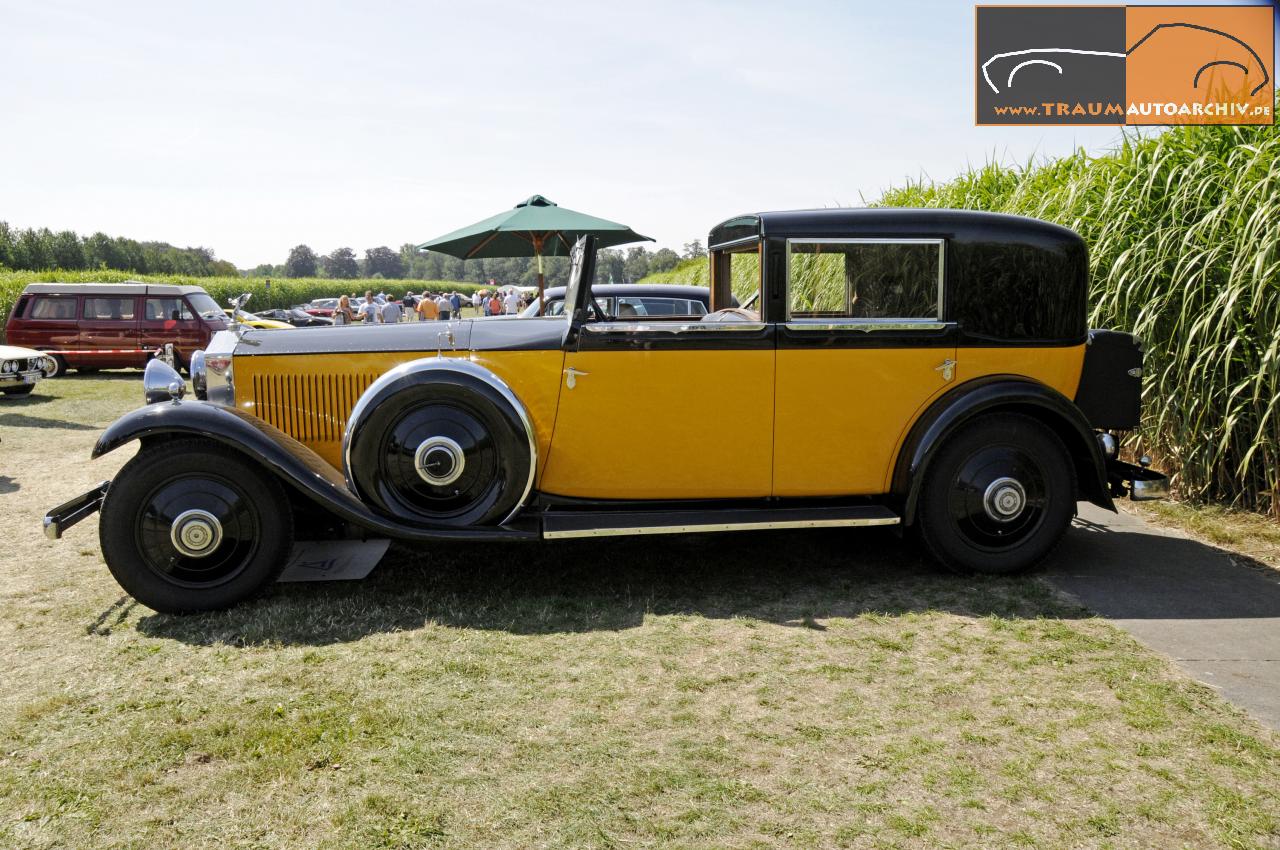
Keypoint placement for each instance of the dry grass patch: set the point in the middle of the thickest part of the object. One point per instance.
(819, 689)
(1245, 532)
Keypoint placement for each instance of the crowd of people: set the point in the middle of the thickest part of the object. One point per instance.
(382, 309)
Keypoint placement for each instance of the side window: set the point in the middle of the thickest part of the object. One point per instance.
(109, 308)
(166, 309)
(864, 279)
(54, 307)
(636, 305)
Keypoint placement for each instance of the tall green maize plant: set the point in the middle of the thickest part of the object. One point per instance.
(1183, 230)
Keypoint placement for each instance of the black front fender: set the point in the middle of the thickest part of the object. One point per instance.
(280, 454)
(993, 394)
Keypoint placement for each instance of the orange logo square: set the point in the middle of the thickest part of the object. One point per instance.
(1199, 65)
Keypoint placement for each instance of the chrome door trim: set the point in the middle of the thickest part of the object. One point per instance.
(672, 327)
(868, 325)
(725, 526)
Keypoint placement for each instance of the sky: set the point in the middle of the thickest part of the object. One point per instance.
(251, 127)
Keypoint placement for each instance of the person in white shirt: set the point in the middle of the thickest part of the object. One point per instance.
(446, 308)
(475, 301)
(511, 304)
(390, 312)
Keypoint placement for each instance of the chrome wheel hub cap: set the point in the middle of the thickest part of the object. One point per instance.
(1004, 499)
(195, 533)
(439, 461)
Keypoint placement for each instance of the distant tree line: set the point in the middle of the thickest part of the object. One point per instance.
(43, 249)
(617, 265)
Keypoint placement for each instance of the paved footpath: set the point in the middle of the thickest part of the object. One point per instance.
(1216, 615)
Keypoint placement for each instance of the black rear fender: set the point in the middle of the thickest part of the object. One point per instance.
(1000, 393)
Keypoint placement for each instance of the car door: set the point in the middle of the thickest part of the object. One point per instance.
(167, 319)
(109, 331)
(863, 349)
(660, 410)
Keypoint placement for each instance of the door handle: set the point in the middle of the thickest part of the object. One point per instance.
(571, 376)
(948, 369)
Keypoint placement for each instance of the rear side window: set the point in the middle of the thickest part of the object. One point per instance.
(109, 308)
(865, 279)
(53, 307)
(166, 309)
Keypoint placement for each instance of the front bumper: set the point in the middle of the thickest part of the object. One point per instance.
(69, 513)
(1139, 483)
(14, 379)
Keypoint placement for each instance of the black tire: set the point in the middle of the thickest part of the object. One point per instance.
(491, 457)
(59, 367)
(970, 516)
(21, 389)
(158, 485)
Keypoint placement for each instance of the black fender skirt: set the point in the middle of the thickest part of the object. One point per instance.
(992, 394)
(285, 457)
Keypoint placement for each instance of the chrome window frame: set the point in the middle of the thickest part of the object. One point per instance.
(903, 323)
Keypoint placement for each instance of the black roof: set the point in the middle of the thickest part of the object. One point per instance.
(888, 221)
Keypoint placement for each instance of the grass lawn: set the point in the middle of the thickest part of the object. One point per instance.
(809, 689)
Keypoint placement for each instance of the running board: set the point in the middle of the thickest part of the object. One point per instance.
(563, 524)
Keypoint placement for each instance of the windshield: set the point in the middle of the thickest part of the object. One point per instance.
(582, 267)
(204, 305)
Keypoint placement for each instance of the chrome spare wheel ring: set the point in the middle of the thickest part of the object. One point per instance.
(439, 461)
(1004, 499)
(195, 533)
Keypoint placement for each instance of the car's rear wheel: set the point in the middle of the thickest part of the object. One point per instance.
(998, 497)
(192, 526)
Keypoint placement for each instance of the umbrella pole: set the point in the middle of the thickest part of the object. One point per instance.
(537, 250)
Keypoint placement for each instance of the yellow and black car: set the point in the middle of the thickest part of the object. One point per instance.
(930, 369)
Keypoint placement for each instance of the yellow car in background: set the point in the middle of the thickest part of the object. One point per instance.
(255, 321)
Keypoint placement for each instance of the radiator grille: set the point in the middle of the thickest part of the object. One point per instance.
(312, 409)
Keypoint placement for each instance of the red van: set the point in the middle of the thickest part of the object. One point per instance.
(113, 325)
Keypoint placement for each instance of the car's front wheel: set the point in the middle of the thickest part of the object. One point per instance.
(998, 497)
(20, 389)
(193, 526)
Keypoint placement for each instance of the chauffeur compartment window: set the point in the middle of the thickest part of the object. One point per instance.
(864, 279)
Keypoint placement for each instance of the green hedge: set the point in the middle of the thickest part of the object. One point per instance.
(284, 292)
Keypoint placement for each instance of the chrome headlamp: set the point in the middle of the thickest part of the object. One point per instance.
(161, 382)
(9, 366)
(199, 375)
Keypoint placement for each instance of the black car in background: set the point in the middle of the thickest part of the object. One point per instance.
(634, 299)
(297, 317)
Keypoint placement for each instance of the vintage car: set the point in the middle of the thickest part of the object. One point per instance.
(21, 368)
(927, 369)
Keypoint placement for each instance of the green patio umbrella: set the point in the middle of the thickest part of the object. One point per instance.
(535, 227)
